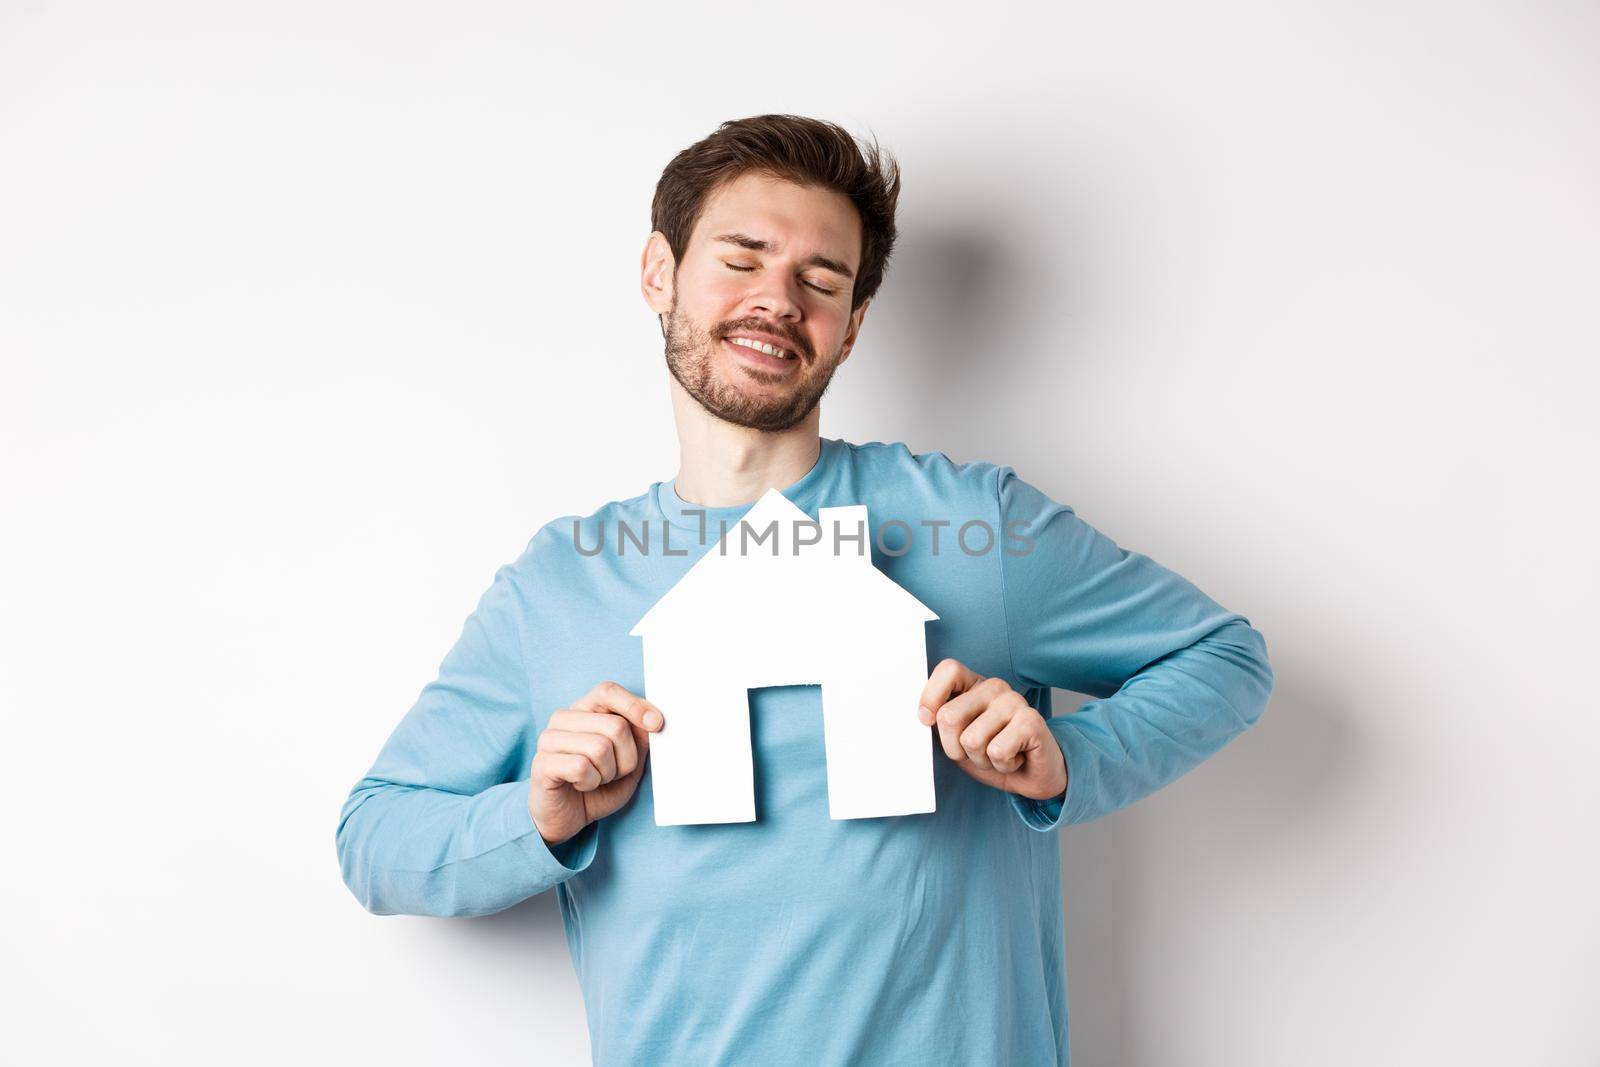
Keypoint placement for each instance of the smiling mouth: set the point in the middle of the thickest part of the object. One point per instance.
(763, 354)
(761, 346)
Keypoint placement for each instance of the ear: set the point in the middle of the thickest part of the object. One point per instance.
(656, 269)
(855, 328)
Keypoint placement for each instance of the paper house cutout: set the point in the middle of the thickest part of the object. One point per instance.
(781, 599)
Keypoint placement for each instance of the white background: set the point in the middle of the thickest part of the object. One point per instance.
(311, 313)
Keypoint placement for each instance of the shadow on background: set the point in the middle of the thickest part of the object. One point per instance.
(1245, 803)
(939, 365)
(535, 924)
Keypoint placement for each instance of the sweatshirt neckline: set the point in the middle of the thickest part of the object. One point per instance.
(804, 493)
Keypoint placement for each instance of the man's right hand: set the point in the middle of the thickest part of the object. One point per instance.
(589, 760)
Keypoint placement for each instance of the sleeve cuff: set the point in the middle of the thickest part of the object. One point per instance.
(1040, 814)
(550, 864)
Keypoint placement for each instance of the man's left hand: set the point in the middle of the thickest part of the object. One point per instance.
(990, 731)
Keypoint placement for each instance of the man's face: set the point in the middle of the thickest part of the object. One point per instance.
(769, 263)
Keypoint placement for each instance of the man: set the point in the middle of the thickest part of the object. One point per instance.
(919, 939)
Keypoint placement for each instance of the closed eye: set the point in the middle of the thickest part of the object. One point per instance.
(810, 285)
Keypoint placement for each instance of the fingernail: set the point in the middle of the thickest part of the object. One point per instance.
(652, 719)
(926, 715)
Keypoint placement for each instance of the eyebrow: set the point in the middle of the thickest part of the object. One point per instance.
(756, 244)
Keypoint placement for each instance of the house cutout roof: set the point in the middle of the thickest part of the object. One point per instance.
(741, 566)
(781, 599)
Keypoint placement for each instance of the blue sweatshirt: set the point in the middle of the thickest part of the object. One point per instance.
(918, 939)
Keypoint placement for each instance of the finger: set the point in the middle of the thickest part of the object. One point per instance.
(567, 768)
(596, 748)
(622, 734)
(948, 678)
(976, 737)
(624, 784)
(609, 696)
(957, 714)
(1009, 749)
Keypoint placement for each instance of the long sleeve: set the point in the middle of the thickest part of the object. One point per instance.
(440, 825)
(1176, 676)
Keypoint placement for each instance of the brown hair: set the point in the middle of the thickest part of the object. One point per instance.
(798, 149)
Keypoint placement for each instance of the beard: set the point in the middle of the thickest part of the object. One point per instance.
(692, 359)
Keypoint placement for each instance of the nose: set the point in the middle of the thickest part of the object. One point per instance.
(774, 294)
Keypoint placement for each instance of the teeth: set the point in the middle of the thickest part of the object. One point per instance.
(771, 350)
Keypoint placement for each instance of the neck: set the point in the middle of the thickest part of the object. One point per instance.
(721, 465)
